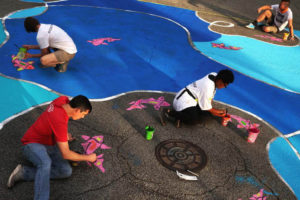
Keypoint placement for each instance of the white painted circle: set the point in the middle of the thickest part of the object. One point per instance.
(227, 24)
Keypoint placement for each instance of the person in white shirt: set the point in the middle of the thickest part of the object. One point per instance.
(277, 22)
(49, 37)
(195, 100)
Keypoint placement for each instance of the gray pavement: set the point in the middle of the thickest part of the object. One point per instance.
(8, 6)
(132, 170)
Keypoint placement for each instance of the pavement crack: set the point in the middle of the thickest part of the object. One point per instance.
(103, 186)
(247, 170)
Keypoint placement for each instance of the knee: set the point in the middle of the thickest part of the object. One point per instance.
(266, 29)
(43, 61)
(45, 165)
(267, 13)
(66, 171)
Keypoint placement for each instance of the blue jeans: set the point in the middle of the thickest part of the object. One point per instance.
(48, 163)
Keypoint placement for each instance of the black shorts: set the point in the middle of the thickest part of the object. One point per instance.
(271, 24)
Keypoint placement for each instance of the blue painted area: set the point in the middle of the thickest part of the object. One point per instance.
(2, 34)
(18, 96)
(251, 180)
(286, 162)
(144, 59)
(196, 27)
(295, 140)
(277, 66)
(28, 12)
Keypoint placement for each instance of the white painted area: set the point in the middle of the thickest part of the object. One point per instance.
(293, 134)
(217, 23)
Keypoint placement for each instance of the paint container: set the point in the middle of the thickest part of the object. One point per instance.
(149, 132)
(285, 36)
(225, 120)
(253, 133)
(22, 52)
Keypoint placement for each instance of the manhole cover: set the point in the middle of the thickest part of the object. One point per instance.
(180, 155)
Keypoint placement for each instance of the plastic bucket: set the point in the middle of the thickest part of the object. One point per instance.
(225, 120)
(253, 133)
(285, 36)
(149, 132)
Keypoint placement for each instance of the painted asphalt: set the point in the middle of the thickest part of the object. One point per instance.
(235, 168)
(144, 60)
(132, 59)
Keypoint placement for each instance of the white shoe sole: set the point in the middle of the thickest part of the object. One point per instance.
(16, 170)
(249, 27)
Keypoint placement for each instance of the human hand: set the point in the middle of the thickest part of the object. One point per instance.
(223, 113)
(92, 157)
(27, 55)
(292, 38)
(70, 137)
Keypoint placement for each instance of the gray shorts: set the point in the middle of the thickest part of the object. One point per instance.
(63, 56)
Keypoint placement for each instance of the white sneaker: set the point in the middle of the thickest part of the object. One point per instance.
(15, 176)
(250, 26)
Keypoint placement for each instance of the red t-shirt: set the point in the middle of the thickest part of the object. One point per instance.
(51, 126)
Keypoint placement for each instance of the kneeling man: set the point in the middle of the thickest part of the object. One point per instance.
(195, 100)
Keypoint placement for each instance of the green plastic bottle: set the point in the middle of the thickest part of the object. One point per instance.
(149, 132)
(22, 52)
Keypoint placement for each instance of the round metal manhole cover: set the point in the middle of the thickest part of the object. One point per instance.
(180, 155)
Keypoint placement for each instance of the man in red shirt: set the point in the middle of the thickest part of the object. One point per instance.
(46, 145)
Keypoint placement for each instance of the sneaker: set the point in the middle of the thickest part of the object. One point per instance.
(62, 67)
(16, 175)
(250, 26)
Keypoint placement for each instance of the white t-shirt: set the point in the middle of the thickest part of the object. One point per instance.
(203, 89)
(52, 36)
(281, 19)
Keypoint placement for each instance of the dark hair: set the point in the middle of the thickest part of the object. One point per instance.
(31, 24)
(226, 76)
(286, 1)
(82, 103)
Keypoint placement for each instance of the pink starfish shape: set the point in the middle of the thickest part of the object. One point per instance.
(157, 103)
(102, 41)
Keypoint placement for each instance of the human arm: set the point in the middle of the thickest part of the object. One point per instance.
(217, 112)
(291, 27)
(71, 155)
(28, 47)
(265, 7)
(43, 52)
(43, 44)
